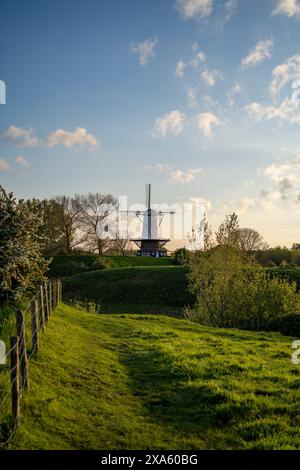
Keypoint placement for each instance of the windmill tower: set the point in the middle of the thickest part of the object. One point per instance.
(150, 244)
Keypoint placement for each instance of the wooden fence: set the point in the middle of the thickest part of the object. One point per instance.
(30, 322)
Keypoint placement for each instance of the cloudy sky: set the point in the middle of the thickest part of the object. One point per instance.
(199, 97)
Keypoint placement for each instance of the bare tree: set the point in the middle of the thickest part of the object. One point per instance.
(250, 240)
(122, 245)
(69, 219)
(96, 220)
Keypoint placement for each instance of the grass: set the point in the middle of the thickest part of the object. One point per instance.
(145, 382)
(150, 289)
(70, 265)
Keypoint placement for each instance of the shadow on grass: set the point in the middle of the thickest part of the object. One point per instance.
(167, 394)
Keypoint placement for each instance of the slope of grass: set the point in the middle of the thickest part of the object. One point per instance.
(70, 265)
(132, 290)
(144, 382)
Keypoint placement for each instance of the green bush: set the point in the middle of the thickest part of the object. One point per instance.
(232, 291)
(287, 325)
(181, 256)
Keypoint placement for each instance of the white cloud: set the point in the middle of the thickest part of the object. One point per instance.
(175, 175)
(210, 77)
(269, 200)
(203, 201)
(180, 67)
(172, 123)
(235, 91)
(4, 166)
(286, 111)
(145, 50)
(179, 176)
(287, 7)
(205, 121)
(210, 102)
(145, 168)
(192, 97)
(261, 52)
(79, 137)
(197, 59)
(230, 8)
(245, 204)
(20, 136)
(162, 167)
(21, 161)
(284, 177)
(284, 73)
(194, 8)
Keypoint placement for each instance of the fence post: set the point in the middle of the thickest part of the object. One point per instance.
(54, 295)
(14, 376)
(57, 292)
(34, 326)
(46, 303)
(50, 299)
(60, 291)
(42, 309)
(23, 361)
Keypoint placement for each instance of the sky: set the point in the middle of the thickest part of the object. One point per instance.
(201, 98)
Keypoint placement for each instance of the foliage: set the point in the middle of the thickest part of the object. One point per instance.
(228, 233)
(287, 325)
(233, 291)
(181, 256)
(98, 220)
(144, 382)
(250, 240)
(21, 263)
(277, 256)
(292, 275)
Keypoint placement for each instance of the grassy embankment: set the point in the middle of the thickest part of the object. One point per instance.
(161, 289)
(144, 382)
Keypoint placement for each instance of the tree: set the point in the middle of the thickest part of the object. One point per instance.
(21, 263)
(231, 290)
(96, 220)
(51, 235)
(207, 234)
(250, 240)
(122, 245)
(228, 232)
(68, 215)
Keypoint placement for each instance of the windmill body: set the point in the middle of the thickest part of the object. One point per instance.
(150, 244)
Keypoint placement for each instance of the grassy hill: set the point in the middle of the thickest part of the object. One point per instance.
(144, 382)
(155, 289)
(70, 265)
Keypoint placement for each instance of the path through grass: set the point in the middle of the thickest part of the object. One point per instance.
(144, 382)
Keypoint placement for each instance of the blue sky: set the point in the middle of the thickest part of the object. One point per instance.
(194, 96)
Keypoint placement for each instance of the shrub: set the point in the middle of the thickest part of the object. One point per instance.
(22, 265)
(181, 256)
(233, 291)
(284, 264)
(287, 325)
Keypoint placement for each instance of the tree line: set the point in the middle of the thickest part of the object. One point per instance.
(31, 231)
(86, 222)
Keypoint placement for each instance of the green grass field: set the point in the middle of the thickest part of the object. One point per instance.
(153, 382)
(64, 266)
(152, 289)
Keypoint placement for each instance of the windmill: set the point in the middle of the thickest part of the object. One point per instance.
(150, 244)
